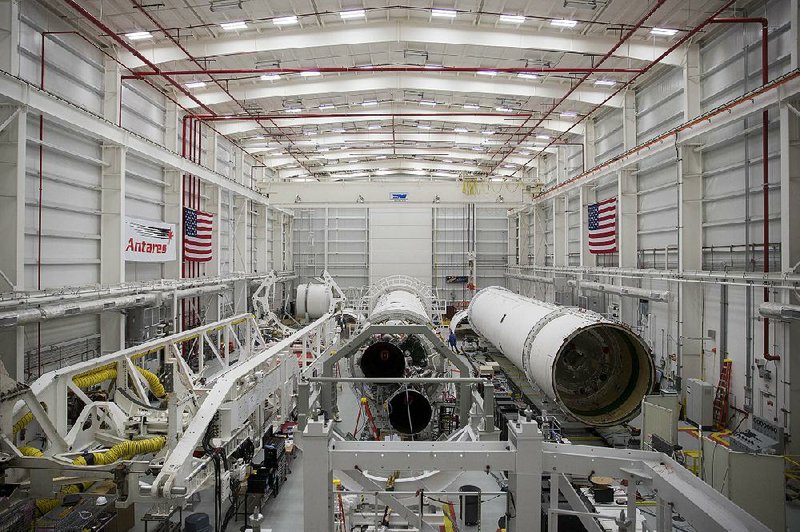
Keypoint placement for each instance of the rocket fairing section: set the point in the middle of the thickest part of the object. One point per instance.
(597, 370)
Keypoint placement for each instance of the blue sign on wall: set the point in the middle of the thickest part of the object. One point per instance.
(398, 196)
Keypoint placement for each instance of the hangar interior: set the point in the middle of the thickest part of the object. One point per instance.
(331, 265)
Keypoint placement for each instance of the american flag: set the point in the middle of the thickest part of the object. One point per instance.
(603, 226)
(197, 235)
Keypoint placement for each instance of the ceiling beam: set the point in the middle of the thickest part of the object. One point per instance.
(398, 31)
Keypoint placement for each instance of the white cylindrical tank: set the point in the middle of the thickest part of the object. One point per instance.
(313, 299)
(597, 370)
(400, 305)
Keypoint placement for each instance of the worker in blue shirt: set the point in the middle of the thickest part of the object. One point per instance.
(451, 340)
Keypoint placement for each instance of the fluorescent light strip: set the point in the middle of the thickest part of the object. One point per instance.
(471, 106)
(569, 114)
(486, 73)
(443, 13)
(564, 23)
(527, 75)
(423, 126)
(325, 106)
(358, 13)
(195, 85)
(460, 130)
(285, 21)
(605, 82)
(513, 19)
(665, 32)
(138, 35)
(230, 26)
(369, 103)
(543, 137)
(270, 77)
(429, 103)
(502, 109)
(309, 73)
(293, 110)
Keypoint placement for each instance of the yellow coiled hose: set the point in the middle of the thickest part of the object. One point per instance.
(107, 373)
(121, 451)
(125, 450)
(23, 422)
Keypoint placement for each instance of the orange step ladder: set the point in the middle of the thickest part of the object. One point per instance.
(721, 400)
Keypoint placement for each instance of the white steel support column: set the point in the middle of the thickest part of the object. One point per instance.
(793, 39)
(525, 483)
(588, 195)
(172, 131)
(559, 228)
(522, 254)
(561, 164)
(790, 251)
(173, 213)
(212, 150)
(627, 188)
(261, 239)
(113, 92)
(12, 220)
(112, 242)
(212, 267)
(691, 83)
(628, 243)
(690, 258)
(240, 240)
(629, 120)
(317, 477)
(589, 148)
(9, 36)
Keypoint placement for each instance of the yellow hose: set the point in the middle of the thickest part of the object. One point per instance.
(107, 373)
(31, 451)
(125, 450)
(23, 422)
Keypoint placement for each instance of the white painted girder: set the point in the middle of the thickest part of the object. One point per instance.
(400, 31)
(457, 158)
(384, 138)
(246, 126)
(387, 164)
(84, 122)
(389, 81)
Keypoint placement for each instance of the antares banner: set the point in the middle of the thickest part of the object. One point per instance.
(147, 241)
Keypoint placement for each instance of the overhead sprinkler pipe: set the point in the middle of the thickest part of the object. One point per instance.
(628, 83)
(597, 370)
(362, 70)
(764, 23)
(430, 116)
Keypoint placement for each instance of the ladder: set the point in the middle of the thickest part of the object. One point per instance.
(721, 400)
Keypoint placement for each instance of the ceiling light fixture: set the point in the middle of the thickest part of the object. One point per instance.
(310, 73)
(487, 132)
(429, 103)
(513, 19)
(368, 103)
(138, 35)
(605, 82)
(471, 106)
(502, 109)
(527, 75)
(358, 13)
(664, 32)
(443, 13)
(543, 137)
(326, 106)
(230, 26)
(293, 110)
(459, 130)
(568, 114)
(486, 73)
(374, 126)
(423, 126)
(195, 85)
(270, 77)
(285, 21)
(564, 23)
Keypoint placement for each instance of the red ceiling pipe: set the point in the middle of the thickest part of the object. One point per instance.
(324, 70)
(671, 49)
(122, 42)
(432, 116)
(764, 158)
(183, 49)
(602, 60)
